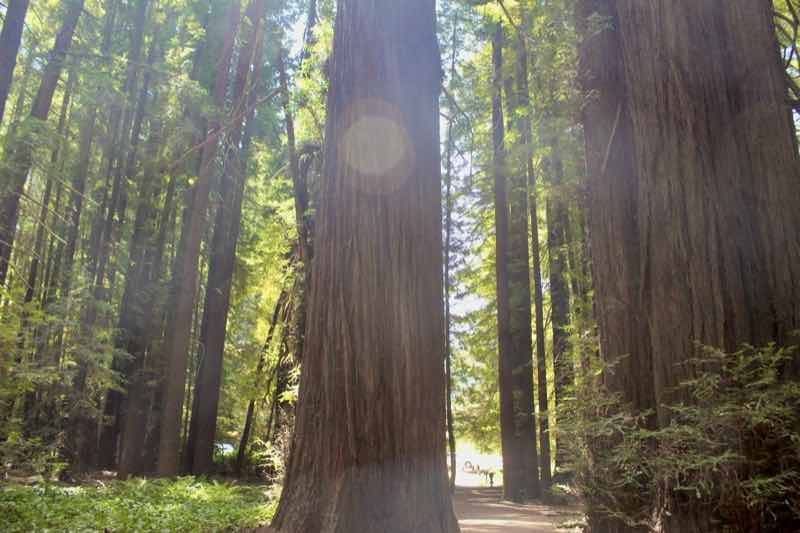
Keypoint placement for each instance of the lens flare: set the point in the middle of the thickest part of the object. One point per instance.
(375, 147)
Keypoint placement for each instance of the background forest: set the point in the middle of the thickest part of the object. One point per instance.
(159, 180)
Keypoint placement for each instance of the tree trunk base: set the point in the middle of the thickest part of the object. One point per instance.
(369, 500)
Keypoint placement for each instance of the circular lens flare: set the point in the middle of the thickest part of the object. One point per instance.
(375, 147)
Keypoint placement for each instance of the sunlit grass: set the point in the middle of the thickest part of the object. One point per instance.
(185, 504)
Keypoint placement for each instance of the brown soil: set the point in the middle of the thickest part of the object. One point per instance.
(482, 510)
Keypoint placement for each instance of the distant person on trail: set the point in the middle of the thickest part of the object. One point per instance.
(491, 478)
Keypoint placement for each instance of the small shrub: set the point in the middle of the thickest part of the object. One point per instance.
(732, 445)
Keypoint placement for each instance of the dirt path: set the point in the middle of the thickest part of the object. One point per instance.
(481, 510)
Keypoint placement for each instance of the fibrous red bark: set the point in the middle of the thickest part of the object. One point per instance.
(368, 449)
(718, 191)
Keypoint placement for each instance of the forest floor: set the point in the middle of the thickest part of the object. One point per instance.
(188, 504)
(482, 510)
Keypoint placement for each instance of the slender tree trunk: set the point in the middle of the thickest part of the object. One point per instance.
(557, 222)
(541, 351)
(38, 247)
(116, 206)
(55, 250)
(301, 202)
(178, 336)
(613, 232)
(86, 427)
(373, 355)
(719, 186)
(202, 432)
(517, 420)
(448, 240)
(81, 171)
(525, 196)
(20, 163)
(133, 314)
(134, 319)
(10, 39)
(164, 322)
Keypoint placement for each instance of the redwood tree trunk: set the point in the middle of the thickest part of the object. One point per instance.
(557, 222)
(134, 308)
(613, 232)
(448, 246)
(178, 336)
(519, 262)
(203, 425)
(368, 448)
(719, 189)
(10, 39)
(301, 205)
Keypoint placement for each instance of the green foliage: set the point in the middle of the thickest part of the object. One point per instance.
(732, 441)
(186, 504)
(38, 456)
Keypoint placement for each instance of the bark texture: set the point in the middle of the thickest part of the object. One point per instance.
(693, 207)
(718, 193)
(613, 229)
(368, 449)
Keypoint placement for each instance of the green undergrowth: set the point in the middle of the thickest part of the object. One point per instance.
(186, 504)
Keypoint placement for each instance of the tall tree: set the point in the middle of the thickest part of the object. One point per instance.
(517, 419)
(10, 39)
(179, 332)
(719, 186)
(19, 165)
(133, 320)
(203, 425)
(557, 226)
(613, 231)
(694, 187)
(112, 214)
(449, 206)
(374, 347)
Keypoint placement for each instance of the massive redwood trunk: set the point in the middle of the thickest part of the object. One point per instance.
(14, 179)
(719, 190)
(613, 232)
(695, 186)
(10, 39)
(368, 450)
